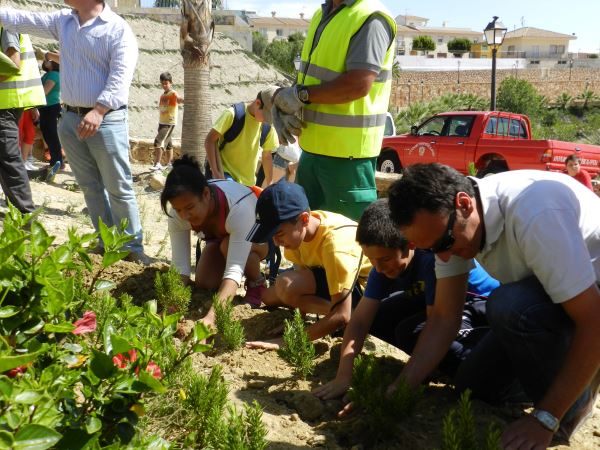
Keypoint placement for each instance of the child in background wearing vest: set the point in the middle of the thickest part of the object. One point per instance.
(236, 156)
(166, 122)
(329, 269)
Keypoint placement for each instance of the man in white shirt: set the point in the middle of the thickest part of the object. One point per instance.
(538, 233)
(98, 54)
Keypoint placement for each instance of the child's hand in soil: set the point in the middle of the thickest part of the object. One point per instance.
(271, 344)
(334, 389)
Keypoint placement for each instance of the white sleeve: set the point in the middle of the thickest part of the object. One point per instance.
(455, 266)
(553, 247)
(40, 24)
(240, 221)
(179, 232)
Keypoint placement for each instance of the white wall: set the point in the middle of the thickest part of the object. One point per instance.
(421, 63)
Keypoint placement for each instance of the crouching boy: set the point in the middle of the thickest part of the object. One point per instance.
(329, 269)
(400, 292)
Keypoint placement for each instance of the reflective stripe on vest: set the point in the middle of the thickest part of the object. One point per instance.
(353, 129)
(25, 89)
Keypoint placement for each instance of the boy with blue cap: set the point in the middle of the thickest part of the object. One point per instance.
(329, 268)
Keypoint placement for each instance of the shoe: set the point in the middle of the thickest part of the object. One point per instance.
(29, 166)
(52, 172)
(157, 166)
(139, 257)
(573, 421)
(254, 293)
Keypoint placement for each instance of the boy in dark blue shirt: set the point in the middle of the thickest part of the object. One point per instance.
(400, 292)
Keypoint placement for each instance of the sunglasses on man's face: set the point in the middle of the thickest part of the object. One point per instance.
(446, 242)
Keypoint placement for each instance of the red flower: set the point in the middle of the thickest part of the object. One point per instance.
(122, 360)
(12, 373)
(154, 370)
(86, 324)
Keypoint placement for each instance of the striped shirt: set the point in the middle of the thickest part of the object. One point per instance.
(97, 59)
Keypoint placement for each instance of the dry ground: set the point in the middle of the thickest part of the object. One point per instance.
(294, 417)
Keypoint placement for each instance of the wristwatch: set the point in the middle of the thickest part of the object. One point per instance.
(547, 420)
(302, 92)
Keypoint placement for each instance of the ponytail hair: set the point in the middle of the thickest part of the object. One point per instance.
(185, 177)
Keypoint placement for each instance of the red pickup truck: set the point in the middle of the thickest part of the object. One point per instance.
(494, 141)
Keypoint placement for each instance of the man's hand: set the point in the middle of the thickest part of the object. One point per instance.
(286, 125)
(526, 434)
(271, 344)
(334, 389)
(286, 99)
(90, 124)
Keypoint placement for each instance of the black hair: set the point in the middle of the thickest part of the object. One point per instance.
(166, 76)
(185, 176)
(55, 67)
(573, 157)
(375, 227)
(429, 187)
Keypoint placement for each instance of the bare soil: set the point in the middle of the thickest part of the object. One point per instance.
(293, 416)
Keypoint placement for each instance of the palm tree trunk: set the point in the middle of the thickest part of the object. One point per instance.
(197, 31)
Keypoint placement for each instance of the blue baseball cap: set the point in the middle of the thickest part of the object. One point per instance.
(278, 203)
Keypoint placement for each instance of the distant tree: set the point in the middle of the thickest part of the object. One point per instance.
(563, 101)
(217, 4)
(259, 44)
(518, 96)
(423, 43)
(588, 97)
(458, 46)
(281, 53)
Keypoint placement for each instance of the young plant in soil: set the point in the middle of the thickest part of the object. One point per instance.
(171, 293)
(368, 392)
(297, 349)
(460, 433)
(231, 330)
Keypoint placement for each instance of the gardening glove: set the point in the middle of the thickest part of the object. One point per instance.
(287, 100)
(286, 125)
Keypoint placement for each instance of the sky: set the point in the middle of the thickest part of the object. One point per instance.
(562, 16)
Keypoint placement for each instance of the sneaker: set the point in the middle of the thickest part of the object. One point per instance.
(156, 167)
(52, 172)
(573, 421)
(254, 293)
(29, 166)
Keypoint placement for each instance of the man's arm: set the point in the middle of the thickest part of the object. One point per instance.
(212, 153)
(441, 327)
(267, 165)
(35, 23)
(581, 364)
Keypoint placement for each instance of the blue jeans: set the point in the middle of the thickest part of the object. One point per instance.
(101, 167)
(528, 343)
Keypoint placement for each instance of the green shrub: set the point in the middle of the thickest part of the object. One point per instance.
(423, 43)
(518, 96)
(297, 350)
(171, 293)
(368, 392)
(230, 330)
(460, 433)
(76, 364)
(459, 45)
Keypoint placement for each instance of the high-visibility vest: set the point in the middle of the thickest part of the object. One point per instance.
(354, 129)
(25, 89)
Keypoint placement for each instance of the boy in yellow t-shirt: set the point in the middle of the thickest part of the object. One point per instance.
(167, 120)
(238, 159)
(329, 268)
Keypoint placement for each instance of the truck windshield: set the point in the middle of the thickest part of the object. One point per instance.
(433, 127)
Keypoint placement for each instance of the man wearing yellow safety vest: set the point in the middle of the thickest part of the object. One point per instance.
(339, 103)
(17, 92)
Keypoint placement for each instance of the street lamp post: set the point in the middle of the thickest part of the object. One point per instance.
(570, 67)
(458, 72)
(494, 35)
(408, 92)
(421, 90)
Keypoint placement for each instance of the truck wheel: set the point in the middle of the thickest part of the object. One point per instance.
(494, 166)
(388, 162)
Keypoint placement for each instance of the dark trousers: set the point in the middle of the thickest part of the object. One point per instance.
(13, 176)
(400, 320)
(49, 126)
(529, 340)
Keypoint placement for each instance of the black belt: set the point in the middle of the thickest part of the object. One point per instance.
(81, 111)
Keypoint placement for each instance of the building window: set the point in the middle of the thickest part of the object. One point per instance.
(440, 40)
(554, 49)
(279, 32)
